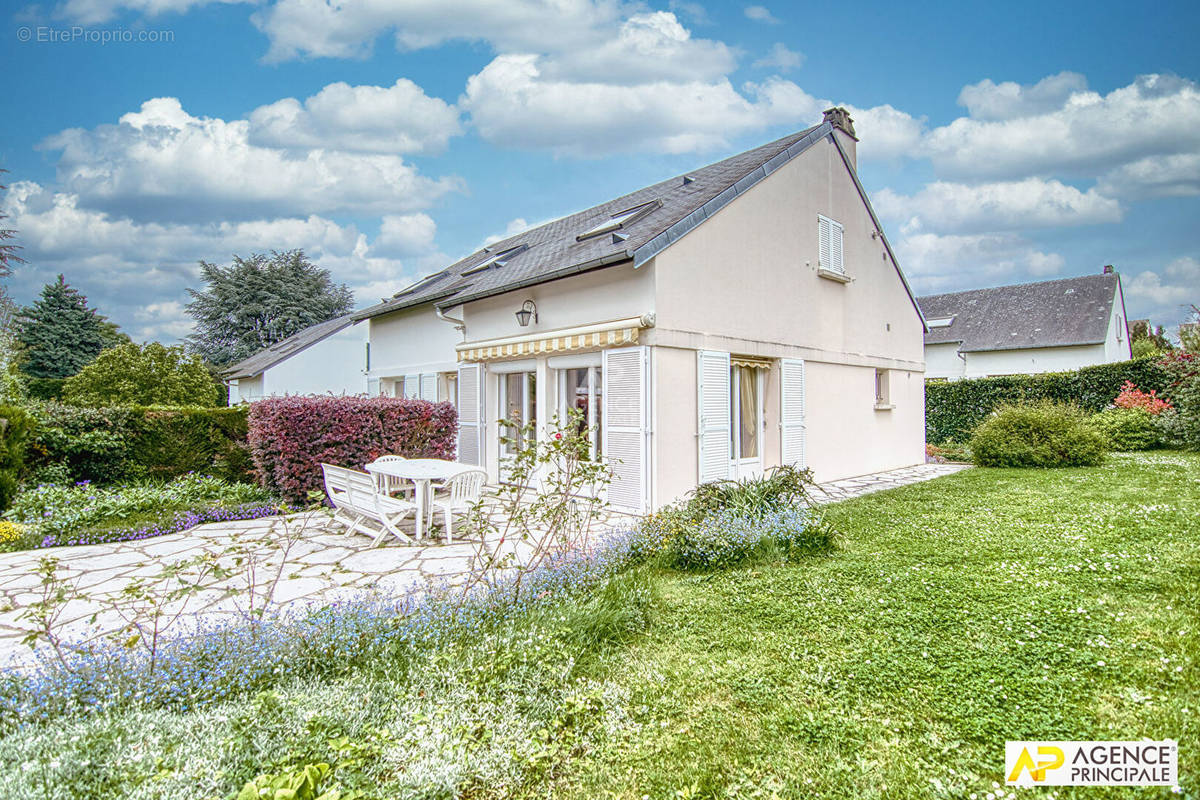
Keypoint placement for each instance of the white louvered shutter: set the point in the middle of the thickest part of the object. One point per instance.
(429, 386)
(373, 386)
(470, 414)
(823, 236)
(712, 372)
(626, 388)
(791, 416)
(412, 386)
(835, 248)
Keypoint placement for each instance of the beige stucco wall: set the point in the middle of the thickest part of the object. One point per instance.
(1032, 360)
(612, 293)
(750, 271)
(847, 436)
(411, 341)
(746, 282)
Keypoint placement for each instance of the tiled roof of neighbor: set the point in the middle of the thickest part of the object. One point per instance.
(555, 249)
(1044, 314)
(270, 356)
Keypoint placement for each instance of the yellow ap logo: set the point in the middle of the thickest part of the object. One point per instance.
(1038, 770)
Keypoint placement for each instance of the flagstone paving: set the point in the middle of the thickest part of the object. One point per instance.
(321, 565)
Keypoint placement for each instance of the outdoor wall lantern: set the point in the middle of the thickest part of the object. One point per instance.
(528, 310)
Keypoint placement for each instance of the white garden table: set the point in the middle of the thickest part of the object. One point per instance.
(422, 472)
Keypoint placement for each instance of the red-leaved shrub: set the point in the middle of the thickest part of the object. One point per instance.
(1132, 397)
(290, 436)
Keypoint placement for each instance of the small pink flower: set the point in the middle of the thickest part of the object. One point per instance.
(558, 436)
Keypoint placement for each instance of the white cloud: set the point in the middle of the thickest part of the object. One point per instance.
(781, 58)
(137, 272)
(761, 14)
(886, 132)
(1156, 115)
(997, 101)
(646, 47)
(396, 119)
(1157, 176)
(513, 104)
(946, 263)
(162, 163)
(403, 235)
(1176, 284)
(91, 12)
(1013, 205)
(347, 30)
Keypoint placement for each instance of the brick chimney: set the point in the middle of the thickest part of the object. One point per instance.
(843, 128)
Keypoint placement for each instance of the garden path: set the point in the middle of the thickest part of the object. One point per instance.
(321, 565)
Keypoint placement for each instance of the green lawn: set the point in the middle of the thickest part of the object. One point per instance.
(958, 613)
(990, 605)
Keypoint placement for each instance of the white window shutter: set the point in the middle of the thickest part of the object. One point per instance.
(412, 386)
(625, 417)
(835, 248)
(429, 386)
(712, 382)
(791, 425)
(373, 387)
(471, 423)
(823, 236)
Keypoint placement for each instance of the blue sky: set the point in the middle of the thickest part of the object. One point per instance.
(390, 137)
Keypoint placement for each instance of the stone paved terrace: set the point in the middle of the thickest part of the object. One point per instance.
(321, 565)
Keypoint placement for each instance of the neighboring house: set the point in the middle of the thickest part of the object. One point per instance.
(1049, 326)
(744, 315)
(330, 357)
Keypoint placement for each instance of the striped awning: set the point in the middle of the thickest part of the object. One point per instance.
(607, 334)
(753, 362)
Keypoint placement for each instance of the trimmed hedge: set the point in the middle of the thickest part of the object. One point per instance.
(290, 436)
(954, 408)
(109, 445)
(14, 435)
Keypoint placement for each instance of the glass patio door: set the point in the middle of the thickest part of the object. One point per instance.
(746, 416)
(518, 411)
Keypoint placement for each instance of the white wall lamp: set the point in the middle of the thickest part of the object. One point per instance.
(528, 310)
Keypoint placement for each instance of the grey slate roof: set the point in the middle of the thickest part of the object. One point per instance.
(270, 356)
(1045, 314)
(553, 251)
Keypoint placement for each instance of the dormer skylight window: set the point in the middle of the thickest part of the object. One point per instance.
(619, 220)
(498, 260)
(424, 283)
(940, 322)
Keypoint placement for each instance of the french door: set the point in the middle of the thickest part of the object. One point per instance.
(518, 416)
(745, 421)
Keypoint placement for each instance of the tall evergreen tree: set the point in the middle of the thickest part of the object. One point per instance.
(260, 300)
(59, 334)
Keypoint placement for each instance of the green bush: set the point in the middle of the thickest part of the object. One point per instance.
(1039, 435)
(113, 445)
(141, 375)
(954, 408)
(14, 435)
(1181, 425)
(1127, 429)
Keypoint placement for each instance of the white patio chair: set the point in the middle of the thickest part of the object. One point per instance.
(390, 484)
(461, 493)
(337, 488)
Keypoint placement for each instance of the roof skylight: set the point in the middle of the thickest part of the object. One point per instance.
(940, 322)
(619, 220)
(498, 260)
(425, 282)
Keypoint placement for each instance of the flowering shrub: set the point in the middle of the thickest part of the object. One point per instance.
(729, 539)
(1132, 397)
(290, 436)
(10, 533)
(89, 514)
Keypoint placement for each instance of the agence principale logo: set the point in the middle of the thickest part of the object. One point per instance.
(1144, 763)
